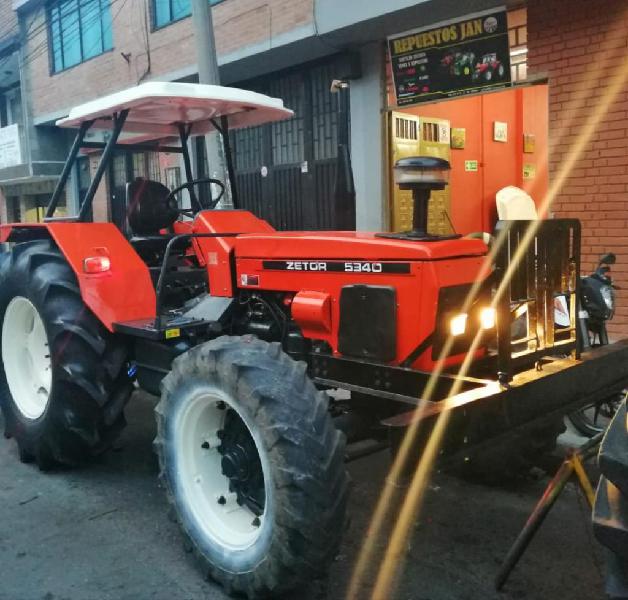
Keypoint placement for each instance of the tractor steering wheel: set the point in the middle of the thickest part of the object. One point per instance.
(189, 212)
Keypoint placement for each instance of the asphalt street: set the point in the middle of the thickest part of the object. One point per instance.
(102, 533)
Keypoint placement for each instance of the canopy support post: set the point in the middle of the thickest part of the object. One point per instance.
(67, 168)
(184, 134)
(118, 123)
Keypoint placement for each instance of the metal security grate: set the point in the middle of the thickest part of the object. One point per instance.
(406, 129)
(286, 171)
(324, 114)
(247, 147)
(288, 143)
(535, 275)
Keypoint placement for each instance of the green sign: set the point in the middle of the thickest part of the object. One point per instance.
(462, 57)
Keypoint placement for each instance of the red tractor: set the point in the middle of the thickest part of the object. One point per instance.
(489, 68)
(241, 330)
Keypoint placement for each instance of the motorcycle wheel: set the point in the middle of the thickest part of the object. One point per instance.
(595, 418)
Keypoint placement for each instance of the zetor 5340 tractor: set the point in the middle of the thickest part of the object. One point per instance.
(241, 330)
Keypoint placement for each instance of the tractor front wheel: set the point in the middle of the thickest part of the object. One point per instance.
(252, 465)
(63, 377)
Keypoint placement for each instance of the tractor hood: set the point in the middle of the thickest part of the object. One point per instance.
(351, 245)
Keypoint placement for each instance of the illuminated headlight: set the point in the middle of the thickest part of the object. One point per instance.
(608, 295)
(487, 318)
(458, 324)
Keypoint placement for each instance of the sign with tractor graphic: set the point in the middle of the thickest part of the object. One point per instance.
(462, 57)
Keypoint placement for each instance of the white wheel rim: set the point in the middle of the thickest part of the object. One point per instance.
(26, 358)
(205, 488)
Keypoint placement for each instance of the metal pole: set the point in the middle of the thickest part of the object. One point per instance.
(67, 168)
(233, 186)
(552, 492)
(184, 135)
(208, 73)
(118, 123)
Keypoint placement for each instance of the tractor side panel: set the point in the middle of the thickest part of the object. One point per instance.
(123, 293)
(416, 286)
(216, 253)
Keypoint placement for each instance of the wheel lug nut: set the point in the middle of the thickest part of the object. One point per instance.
(205, 445)
(222, 500)
(256, 522)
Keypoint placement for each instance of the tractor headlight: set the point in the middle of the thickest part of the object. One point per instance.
(608, 295)
(487, 317)
(458, 324)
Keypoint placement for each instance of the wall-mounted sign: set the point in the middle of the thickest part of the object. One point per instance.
(10, 147)
(529, 143)
(456, 58)
(500, 131)
(458, 137)
(529, 171)
(471, 166)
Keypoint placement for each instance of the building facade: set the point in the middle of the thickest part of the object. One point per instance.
(71, 51)
(583, 53)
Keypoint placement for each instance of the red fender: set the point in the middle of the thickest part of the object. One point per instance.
(123, 293)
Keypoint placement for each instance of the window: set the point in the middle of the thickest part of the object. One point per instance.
(168, 11)
(79, 30)
(518, 39)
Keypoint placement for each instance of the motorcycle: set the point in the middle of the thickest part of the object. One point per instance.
(597, 306)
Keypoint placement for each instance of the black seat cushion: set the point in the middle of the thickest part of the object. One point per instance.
(149, 210)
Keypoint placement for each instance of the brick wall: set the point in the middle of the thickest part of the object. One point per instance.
(237, 23)
(8, 19)
(580, 46)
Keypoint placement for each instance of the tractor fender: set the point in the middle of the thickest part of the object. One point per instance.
(124, 292)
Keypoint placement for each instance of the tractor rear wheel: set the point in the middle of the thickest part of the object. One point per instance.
(63, 377)
(252, 465)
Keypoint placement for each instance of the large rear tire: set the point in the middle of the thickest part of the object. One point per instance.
(63, 376)
(252, 465)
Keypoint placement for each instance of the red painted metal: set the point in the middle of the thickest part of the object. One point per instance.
(350, 245)
(417, 295)
(124, 292)
(312, 312)
(315, 305)
(216, 253)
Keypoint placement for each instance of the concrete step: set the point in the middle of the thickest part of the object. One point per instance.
(610, 518)
(613, 457)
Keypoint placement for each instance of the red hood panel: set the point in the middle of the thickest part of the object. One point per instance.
(350, 245)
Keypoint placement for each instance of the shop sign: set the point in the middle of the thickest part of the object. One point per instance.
(529, 171)
(461, 57)
(10, 148)
(458, 137)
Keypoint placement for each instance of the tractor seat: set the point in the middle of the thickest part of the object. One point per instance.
(149, 212)
(149, 207)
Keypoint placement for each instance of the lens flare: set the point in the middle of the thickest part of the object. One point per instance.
(488, 316)
(393, 559)
(458, 324)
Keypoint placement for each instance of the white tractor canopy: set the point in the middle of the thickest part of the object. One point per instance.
(158, 109)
